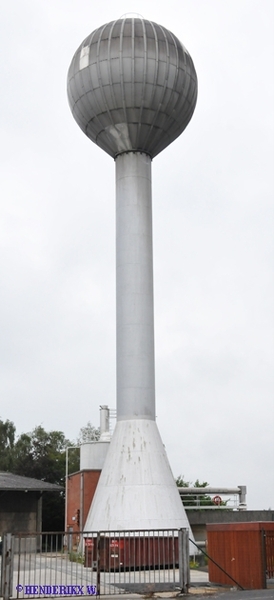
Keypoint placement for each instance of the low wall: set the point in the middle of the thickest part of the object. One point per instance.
(199, 518)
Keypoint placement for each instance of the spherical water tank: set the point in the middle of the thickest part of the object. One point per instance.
(132, 86)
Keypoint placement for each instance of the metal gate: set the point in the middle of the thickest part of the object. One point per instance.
(94, 563)
(268, 537)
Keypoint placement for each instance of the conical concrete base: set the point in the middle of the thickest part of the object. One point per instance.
(136, 489)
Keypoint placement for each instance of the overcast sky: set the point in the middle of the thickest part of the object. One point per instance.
(213, 240)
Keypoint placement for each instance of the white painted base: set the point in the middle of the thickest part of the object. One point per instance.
(136, 489)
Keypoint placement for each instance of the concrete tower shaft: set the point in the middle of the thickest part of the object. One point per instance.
(134, 291)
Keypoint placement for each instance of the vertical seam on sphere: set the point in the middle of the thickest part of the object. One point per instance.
(70, 81)
(109, 64)
(165, 83)
(157, 63)
(80, 96)
(167, 65)
(176, 78)
(121, 69)
(81, 73)
(144, 77)
(194, 79)
(186, 76)
(100, 76)
(189, 67)
(95, 115)
(155, 79)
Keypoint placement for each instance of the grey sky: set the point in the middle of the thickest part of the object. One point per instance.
(213, 240)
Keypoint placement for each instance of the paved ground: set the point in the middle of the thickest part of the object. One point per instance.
(42, 570)
(37, 575)
(234, 595)
(207, 594)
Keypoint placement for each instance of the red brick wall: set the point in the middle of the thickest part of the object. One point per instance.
(89, 484)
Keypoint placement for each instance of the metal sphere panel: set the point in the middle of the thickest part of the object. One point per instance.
(132, 86)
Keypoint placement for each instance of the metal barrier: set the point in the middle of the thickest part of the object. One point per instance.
(94, 563)
(242, 553)
(268, 537)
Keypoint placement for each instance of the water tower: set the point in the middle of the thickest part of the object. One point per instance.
(132, 89)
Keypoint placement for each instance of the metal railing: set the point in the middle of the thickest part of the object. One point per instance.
(94, 563)
(222, 498)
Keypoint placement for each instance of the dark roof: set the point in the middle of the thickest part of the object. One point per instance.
(8, 481)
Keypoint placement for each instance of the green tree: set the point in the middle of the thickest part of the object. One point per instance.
(89, 433)
(73, 458)
(180, 482)
(41, 455)
(7, 437)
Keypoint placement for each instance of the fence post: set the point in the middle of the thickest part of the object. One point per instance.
(7, 566)
(263, 555)
(184, 571)
(98, 565)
